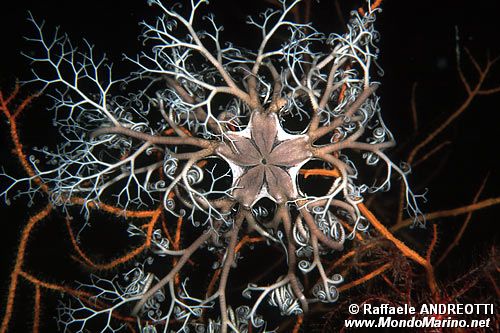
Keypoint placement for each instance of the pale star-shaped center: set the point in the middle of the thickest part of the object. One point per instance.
(264, 160)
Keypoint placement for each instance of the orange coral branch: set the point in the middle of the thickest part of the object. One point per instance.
(176, 245)
(150, 226)
(19, 263)
(247, 240)
(298, 324)
(494, 284)
(13, 94)
(350, 229)
(390, 284)
(36, 314)
(431, 278)
(202, 163)
(320, 172)
(342, 92)
(433, 243)
(214, 279)
(171, 131)
(14, 133)
(374, 5)
(348, 255)
(84, 296)
(464, 225)
(165, 229)
(177, 239)
(413, 107)
(46, 285)
(125, 258)
(451, 212)
(365, 278)
(407, 252)
(55, 287)
(76, 246)
(120, 260)
(430, 153)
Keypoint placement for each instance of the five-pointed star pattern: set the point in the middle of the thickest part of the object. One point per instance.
(264, 160)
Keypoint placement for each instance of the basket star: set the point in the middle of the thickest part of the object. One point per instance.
(264, 160)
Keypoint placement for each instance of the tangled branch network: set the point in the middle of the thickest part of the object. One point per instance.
(204, 132)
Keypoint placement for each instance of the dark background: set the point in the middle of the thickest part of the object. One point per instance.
(417, 45)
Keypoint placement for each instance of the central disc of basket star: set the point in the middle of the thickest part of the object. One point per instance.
(264, 160)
